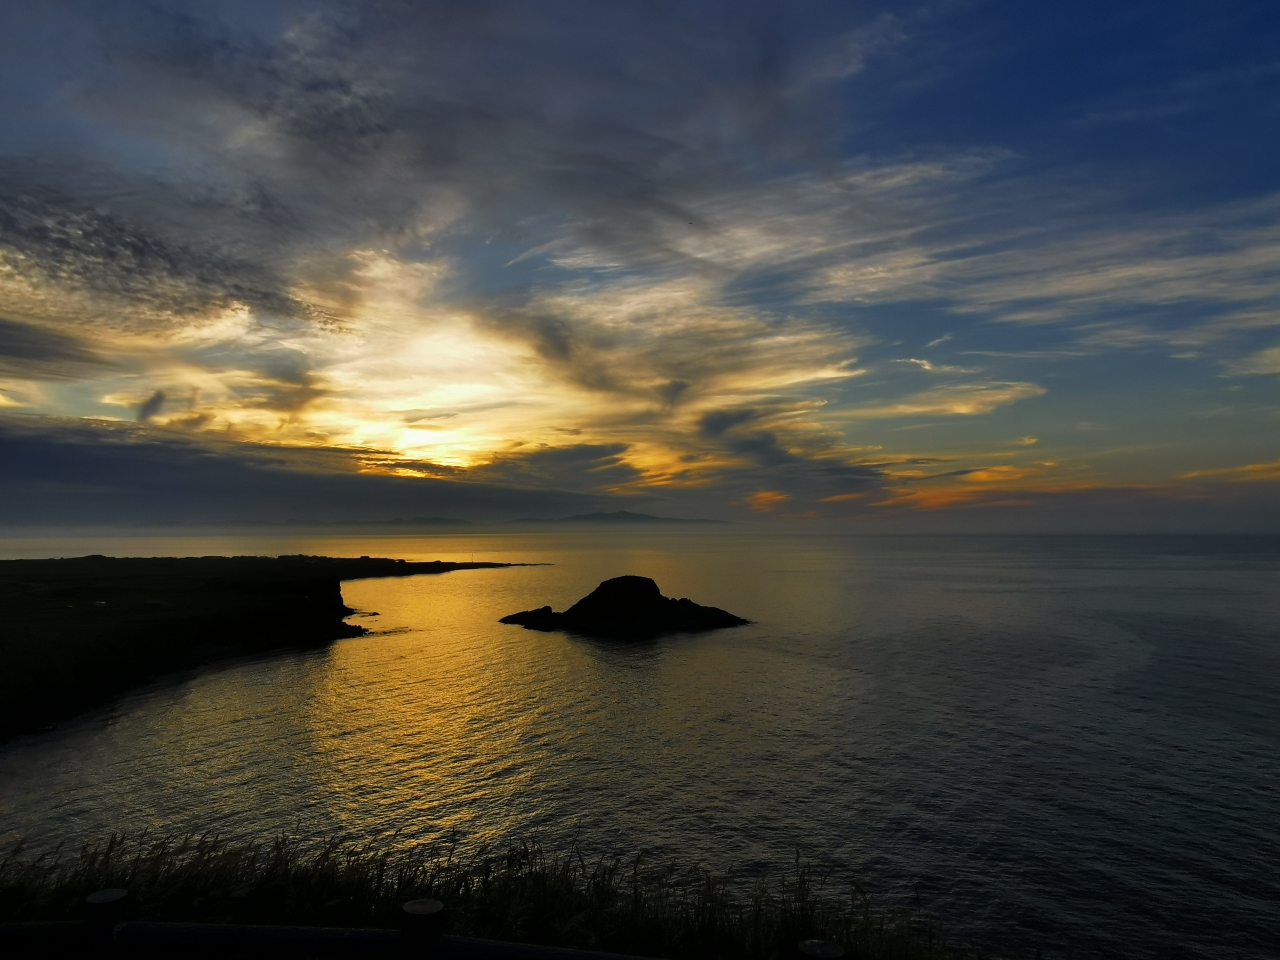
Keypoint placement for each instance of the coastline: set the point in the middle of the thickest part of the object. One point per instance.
(78, 632)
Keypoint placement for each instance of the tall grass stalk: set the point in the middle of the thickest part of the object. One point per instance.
(524, 894)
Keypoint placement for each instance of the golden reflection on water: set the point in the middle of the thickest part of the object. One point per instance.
(446, 704)
(444, 720)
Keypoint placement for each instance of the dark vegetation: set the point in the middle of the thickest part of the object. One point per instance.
(627, 608)
(76, 632)
(524, 895)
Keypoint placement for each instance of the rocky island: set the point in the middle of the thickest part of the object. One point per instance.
(76, 632)
(631, 608)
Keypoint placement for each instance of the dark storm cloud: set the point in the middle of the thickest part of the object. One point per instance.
(74, 472)
(33, 353)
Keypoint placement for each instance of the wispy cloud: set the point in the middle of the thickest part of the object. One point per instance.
(1248, 472)
(968, 399)
(1262, 362)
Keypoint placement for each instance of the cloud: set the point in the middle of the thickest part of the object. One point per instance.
(637, 338)
(33, 353)
(151, 406)
(1093, 508)
(1003, 474)
(1173, 278)
(1247, 473)
(586, 467)
(763, 501)
(652, 250)
(973, 399)
(59, 248)
(1263, 362)
(715, 422)
(931, 367)
(373, 123)
(65, 473)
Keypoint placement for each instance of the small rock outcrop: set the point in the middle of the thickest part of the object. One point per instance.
(627, 608)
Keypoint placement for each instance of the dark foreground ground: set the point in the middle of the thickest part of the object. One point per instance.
(76, 632)
(521, 895)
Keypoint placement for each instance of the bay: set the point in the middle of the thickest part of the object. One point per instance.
(1040, 742)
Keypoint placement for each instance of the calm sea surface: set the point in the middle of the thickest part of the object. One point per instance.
(1041, 742)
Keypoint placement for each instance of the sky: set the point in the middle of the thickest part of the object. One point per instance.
(962, 264)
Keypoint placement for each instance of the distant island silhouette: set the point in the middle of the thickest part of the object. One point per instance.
(627, 608)
(79, 631)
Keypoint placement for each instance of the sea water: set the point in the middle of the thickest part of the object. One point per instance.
(1040, 743)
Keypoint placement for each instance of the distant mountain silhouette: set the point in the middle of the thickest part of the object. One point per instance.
(627, 608)
(617, 516)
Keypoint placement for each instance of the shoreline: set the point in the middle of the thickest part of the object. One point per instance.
(79, 632)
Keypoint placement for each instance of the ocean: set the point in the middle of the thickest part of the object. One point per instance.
(1038, 742)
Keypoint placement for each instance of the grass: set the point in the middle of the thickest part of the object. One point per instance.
(524, 894)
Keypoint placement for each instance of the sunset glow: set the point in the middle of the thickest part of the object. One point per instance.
(680, 284)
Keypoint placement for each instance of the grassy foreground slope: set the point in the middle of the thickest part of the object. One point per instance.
(522, 895)
(76, 632)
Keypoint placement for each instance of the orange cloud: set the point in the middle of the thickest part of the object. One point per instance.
(995, 486)
(765, 500)
(1249, 472)
(842, 498)
(1003, 474)
(933, 498)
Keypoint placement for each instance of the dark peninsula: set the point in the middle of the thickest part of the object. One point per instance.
(629, 608)
(76, 632)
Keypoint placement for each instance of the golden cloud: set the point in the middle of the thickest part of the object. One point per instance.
(956, 400)
(1247, 473)
(764, 501)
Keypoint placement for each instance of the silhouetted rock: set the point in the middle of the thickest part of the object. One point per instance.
(627, 607)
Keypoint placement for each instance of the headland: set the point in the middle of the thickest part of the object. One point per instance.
(76, 632)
